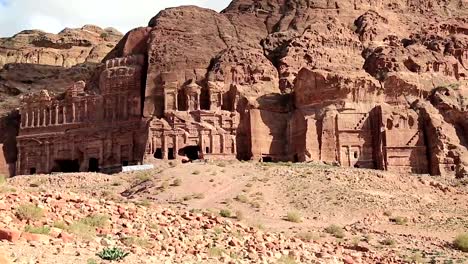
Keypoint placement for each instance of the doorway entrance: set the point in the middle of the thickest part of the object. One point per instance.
(191, 152)
(67, 166)
(93, 165)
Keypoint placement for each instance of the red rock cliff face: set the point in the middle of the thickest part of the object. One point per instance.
(363, 83)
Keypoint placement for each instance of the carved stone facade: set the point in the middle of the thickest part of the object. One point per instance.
(79, 131)
(200, 84)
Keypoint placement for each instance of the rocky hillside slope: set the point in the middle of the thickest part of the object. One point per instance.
(234, 212)
(67, 48)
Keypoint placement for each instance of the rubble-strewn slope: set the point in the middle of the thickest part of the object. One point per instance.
(171, 214)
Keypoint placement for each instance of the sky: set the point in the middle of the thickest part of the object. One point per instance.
(54, 15)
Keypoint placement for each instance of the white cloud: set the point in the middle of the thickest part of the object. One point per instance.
(54, 15)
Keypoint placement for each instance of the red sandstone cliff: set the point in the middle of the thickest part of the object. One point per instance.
(366, 83)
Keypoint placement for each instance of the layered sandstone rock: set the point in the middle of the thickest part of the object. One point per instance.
(357, 83)
(67, 48)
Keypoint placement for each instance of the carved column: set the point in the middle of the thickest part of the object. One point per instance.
(64, 114)
(223, 143)
(50, 116)
(23, 119)
(73, 113)
(32, 118)
(164, 147)
(176, 145)
(45, 117)
(56, 115)
(86, 110)
(18, 163)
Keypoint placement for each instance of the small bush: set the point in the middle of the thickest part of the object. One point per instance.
(144, 176)
(308, 237)
(29, 212)
(145, 203)
(248, 185)
(112, 254)
(135, 241)
(199, 196)
(177, 182)
(399, 220)
(165, 185)
(96, 220)
(225, 213)
(82, 230)
(187, 197)
(215, 252)
(60, 224)
(336, 231)
(91, 261)
(388, 242)
(242, 198)
(196, 172)
(255, 204)
(294, 217)
(461, 242)
(43, 230)
(286, 260)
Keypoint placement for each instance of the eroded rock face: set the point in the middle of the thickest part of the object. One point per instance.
(332, 81)
(67, 48)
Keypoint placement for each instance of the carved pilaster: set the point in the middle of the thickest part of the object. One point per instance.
(64, 114)
(56, 115)
(73, 113)
(32, 118)
(44, 123)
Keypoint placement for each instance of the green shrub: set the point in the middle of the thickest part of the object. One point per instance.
(242, 198)
(336, 231)
(308, 236)
(225, 213)
(112, 254)
(29, 212)
(43, 230)
(215, 252)
(91, 261)
(177, 182)
(294, 217)
(461, 242)
(199, 196)
(286, 260)
(60, 224)
(132, 241)
(96, 220)
(399, 220)
(2, 179)
(82, 230)
(388, 242)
